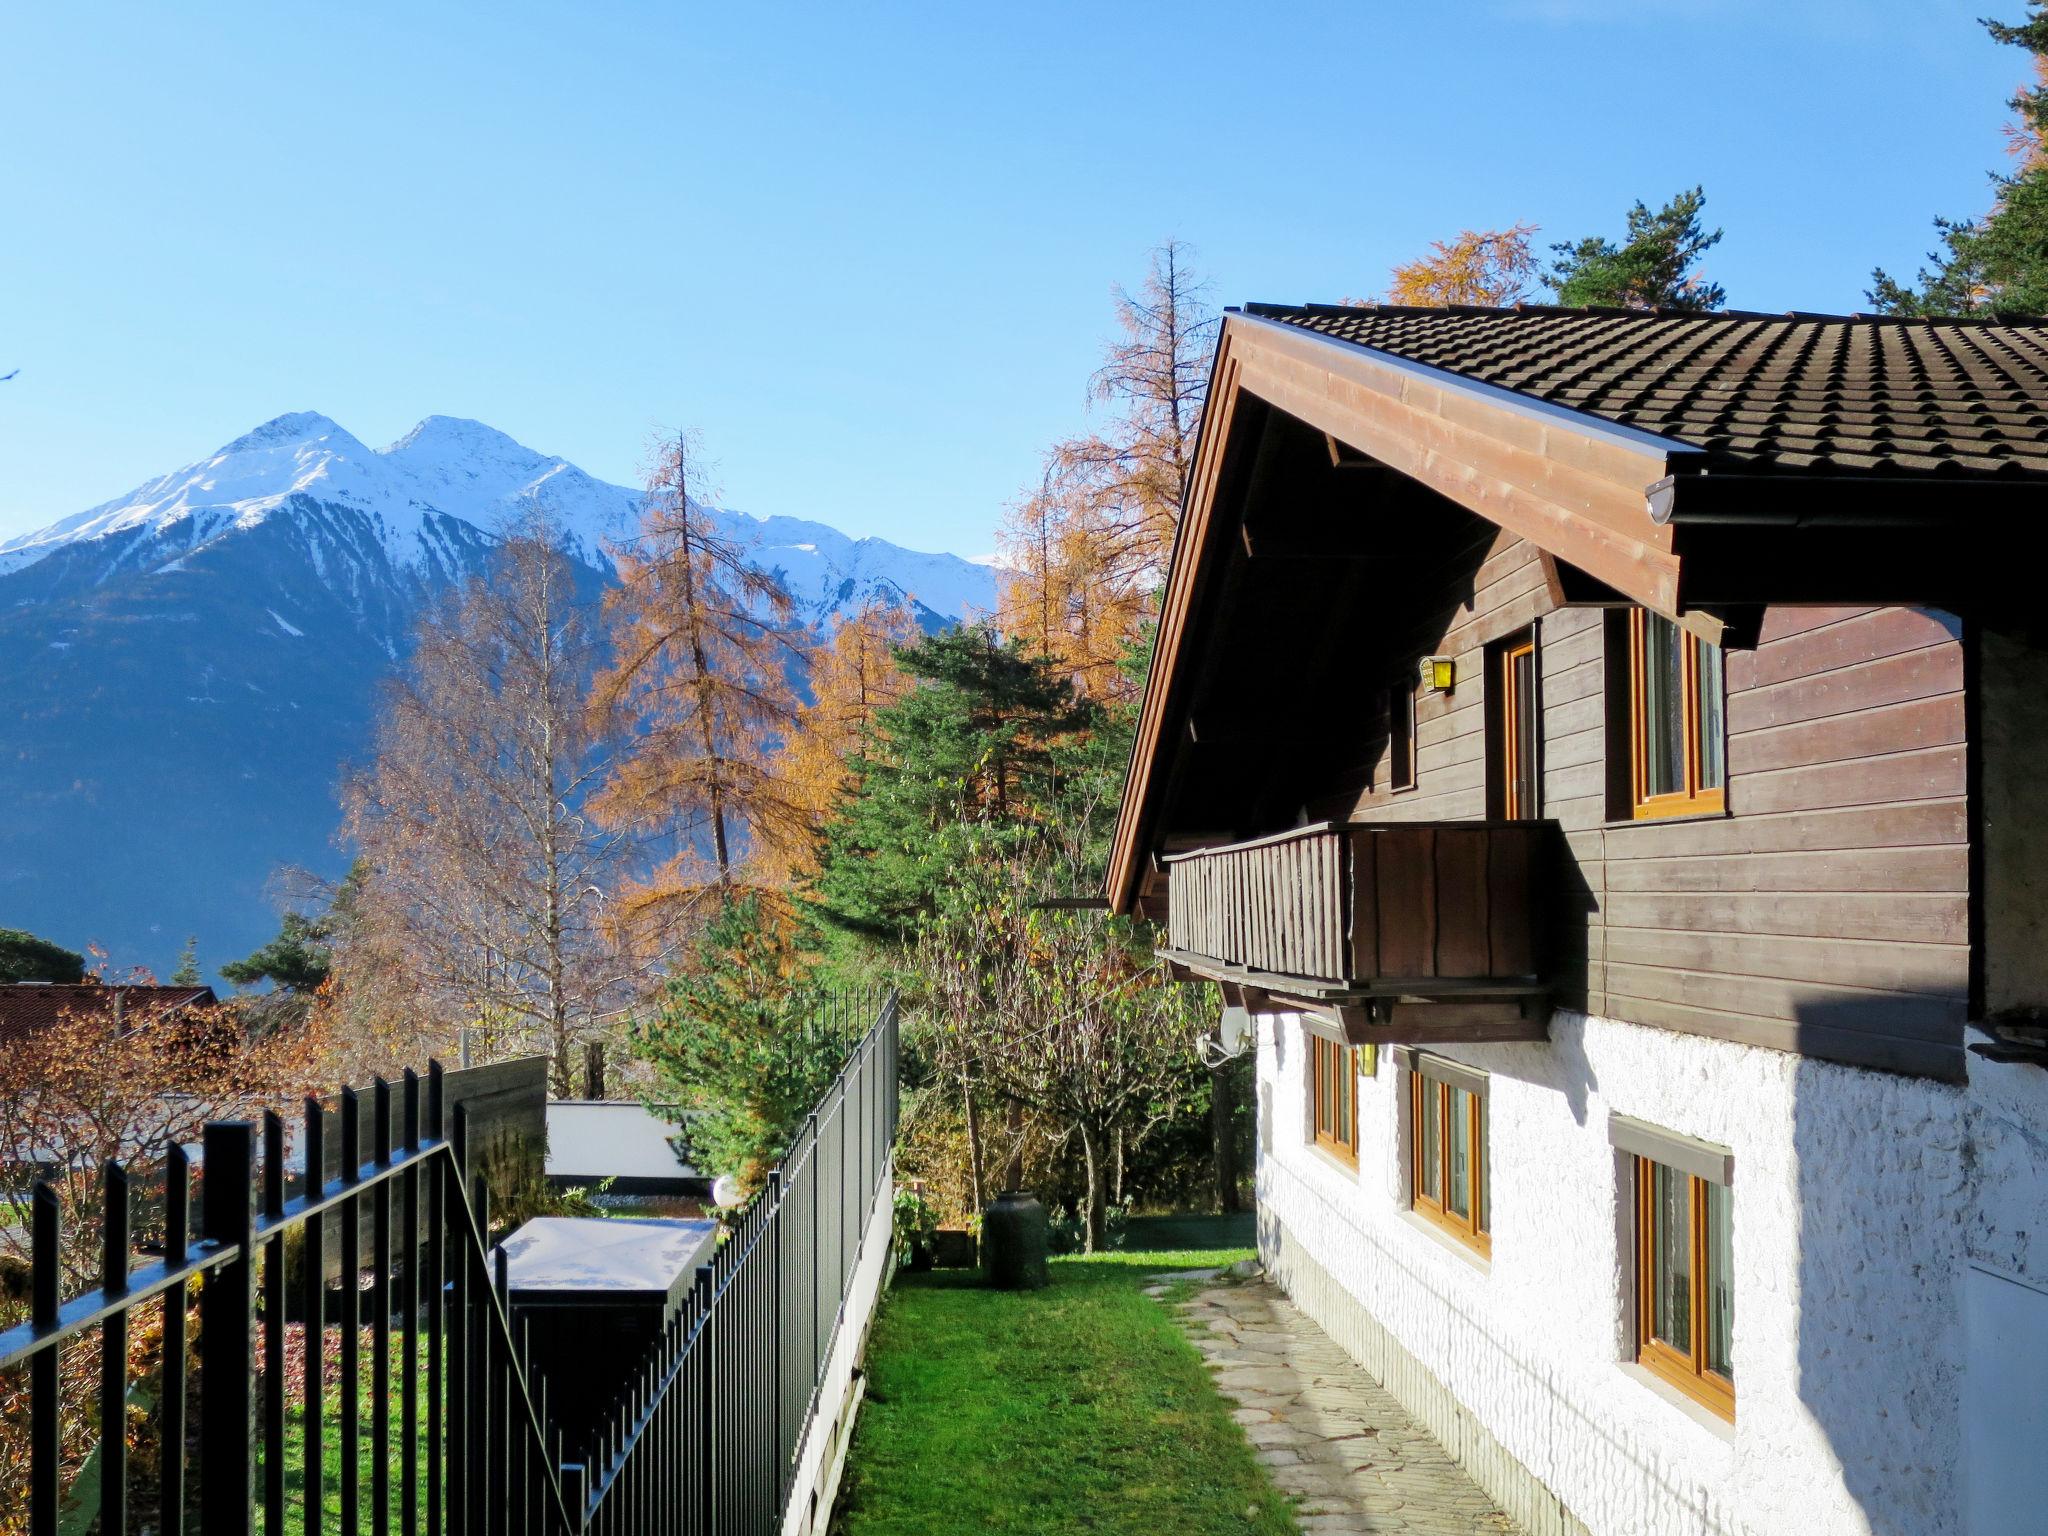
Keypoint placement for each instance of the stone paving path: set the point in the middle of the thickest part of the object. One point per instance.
(1327, 1431)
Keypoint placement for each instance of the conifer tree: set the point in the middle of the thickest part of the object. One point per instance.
(852, 676)
(188, 973)
(1492, 267)
(1996, 264)
(979, 755)
(698, 686)
(1653, 269)
(1089, 550)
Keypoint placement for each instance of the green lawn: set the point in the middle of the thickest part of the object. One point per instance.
(1081, 1407)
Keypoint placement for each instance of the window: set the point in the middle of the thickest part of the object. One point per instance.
(1514, 720)
(1678, 753)
(1401, 732)
(1333, 1073)
(1448, 1170)
(1685, 1297)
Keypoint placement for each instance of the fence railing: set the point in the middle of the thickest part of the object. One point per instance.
(448, 1421)
(471, 1450)
(710, 1439)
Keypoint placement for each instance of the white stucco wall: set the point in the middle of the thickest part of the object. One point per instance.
(1854, 1193)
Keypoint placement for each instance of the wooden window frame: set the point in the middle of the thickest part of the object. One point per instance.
(1686, 1371)
(1466, 1229)
(1691, 800)
(1509, 727)
(1401, 749)
(1336, 1134)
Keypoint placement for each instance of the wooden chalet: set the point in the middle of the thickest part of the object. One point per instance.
(1678, 669)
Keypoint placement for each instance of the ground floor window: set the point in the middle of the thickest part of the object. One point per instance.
(1685, 1305)
(1448, 1175)
(1333, 1074)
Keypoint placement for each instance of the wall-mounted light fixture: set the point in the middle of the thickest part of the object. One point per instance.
(1439, 673)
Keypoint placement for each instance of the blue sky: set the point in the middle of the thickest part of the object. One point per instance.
(866, 250)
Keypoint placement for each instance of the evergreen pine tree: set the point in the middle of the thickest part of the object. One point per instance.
(24, 957)
(986, 751)
(1652, 269)
(1997, 264)
(187, 974)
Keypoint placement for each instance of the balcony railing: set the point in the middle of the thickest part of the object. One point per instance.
(1349, 911)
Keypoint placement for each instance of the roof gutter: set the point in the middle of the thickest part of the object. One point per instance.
(1737, 500)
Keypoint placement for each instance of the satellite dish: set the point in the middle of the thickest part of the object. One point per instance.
(1234, 1032)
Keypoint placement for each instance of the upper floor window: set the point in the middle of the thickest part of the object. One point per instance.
(1678, 753)
(1333, 1086)
(1401, 732)
(1448, 1175)
(1514, 726)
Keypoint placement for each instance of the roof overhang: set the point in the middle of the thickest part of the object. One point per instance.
(1585, 490)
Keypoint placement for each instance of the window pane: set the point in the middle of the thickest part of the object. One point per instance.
(1484, 1173)
(1459, 1202)
(1431, 1150)
(1713, 751)
(1671, 1257)
(1720, 1282)
(1401, 734)
(1522, 798)
(1324, 1085)
(1347, 1089)
(1663, 707)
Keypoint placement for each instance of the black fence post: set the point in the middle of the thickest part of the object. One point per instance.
(114, 1351)
(44, 1444)
(227, 1327)
(171, 1468)
(273, 1327)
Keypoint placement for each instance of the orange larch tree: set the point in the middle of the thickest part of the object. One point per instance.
(1489, 267)
(853, 674)
(1088, 551)
(698, 686)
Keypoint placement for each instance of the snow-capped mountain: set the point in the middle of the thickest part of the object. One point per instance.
(430, 500)
(184, 669)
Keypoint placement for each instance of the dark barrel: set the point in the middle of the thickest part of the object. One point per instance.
(1013, 1242)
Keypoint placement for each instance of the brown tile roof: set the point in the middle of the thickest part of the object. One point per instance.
(1775, 394)
(26, 1007)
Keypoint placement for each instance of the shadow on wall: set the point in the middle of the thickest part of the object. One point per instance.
(1884, 1179)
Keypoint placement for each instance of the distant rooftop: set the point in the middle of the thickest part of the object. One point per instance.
(27, 1007)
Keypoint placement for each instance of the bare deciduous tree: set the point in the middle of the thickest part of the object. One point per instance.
(485, 882)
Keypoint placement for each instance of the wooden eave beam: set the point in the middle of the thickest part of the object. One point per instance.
(1571, 484)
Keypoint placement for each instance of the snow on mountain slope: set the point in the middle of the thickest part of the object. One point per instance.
(451, 468)
(184, 669)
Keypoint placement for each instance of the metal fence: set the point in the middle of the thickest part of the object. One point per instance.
(710, 1438)
(430, 1415)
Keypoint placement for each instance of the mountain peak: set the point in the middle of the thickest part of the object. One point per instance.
(291, 427)
(458, 433)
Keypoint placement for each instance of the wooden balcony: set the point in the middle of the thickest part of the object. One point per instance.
(1404, 931)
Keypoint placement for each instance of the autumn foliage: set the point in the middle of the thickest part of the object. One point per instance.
(698, 690)
(1491, 267)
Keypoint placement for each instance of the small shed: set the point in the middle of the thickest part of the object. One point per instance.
(590, 1295)
(633, 1146)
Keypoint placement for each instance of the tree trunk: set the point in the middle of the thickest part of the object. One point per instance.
(975, 1192)
(1097, 1203)
(1223, 1137)
(1117, 1169)
(1013, 1170)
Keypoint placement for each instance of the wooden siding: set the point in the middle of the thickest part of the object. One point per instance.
(1827, 913)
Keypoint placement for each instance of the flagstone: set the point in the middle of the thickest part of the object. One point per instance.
(1328, 1434)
